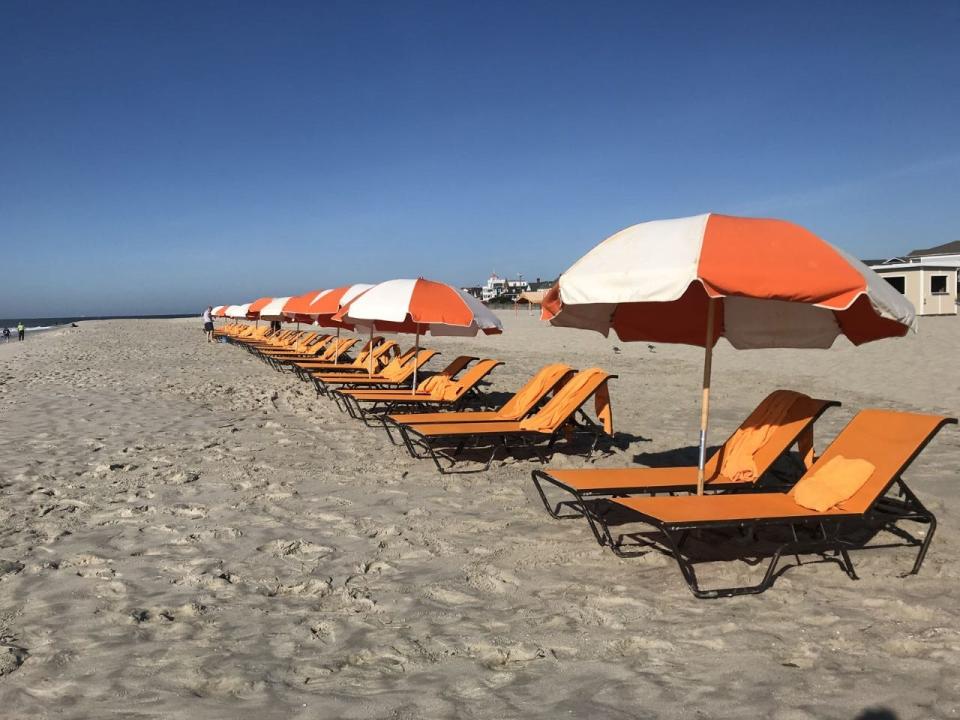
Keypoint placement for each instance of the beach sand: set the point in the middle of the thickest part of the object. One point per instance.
(186, 533)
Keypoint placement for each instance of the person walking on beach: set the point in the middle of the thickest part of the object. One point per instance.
(20, 330)
(208, 322)
(6, 334)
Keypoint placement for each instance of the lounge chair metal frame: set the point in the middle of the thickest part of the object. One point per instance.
(883, 515)
(580, 498)
(382, 350)
(536, 441)
(334, 388)
(374, 412)
(323, 387)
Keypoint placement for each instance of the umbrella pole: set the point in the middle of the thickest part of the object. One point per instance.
(370, 372)
(336, 357)
(705, 400)
(416, 352)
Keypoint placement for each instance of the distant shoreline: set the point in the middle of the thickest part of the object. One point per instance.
(48, 323)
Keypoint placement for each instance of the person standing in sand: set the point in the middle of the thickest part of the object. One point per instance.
(20, 330)
(6, 334)
(208, 322)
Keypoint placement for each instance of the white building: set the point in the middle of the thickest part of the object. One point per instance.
(929, 278)
(502, 287)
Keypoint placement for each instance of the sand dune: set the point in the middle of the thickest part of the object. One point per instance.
(186, 533)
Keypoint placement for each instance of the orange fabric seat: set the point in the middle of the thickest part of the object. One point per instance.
(446, 392)
(795, 426)
(887, 439)
(545, 381)
(546, 425)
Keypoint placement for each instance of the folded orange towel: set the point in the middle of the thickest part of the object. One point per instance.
(838, 480)
(738, 463)
(517, 406)
(440, 387)
(562, 404)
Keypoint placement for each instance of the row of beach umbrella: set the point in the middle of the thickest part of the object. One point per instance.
(760, 283)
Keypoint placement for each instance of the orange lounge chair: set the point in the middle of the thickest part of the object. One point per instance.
(271, 339)
(443, 389)
(382, 349)
(888, 441)
(263, 334)
(307, 345)
(556, 419)
(548, 379)
(331, 349)
(397, 373)
(248, 333)
(348, 398)
(585, 484)
(304, 366)
(351, 370)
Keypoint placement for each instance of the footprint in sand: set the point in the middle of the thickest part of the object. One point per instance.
(298, 549)
(446, 596)
(497, 656)
(308, 588)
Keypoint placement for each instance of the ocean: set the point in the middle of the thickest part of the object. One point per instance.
(48, 323)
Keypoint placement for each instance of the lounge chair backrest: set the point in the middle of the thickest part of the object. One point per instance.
(443, 386)
(380, 354)
(562, 406)
(527, 397)
(305, 342)
(394, 366)
(470, 379)
(338, 348)
(889, 440)
(457, 365)
(405, 371)
(801, 415)
(368, 346)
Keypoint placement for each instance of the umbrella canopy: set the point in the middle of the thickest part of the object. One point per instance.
(421, 306)
(775, 285)
(329, 302)
(273, 310)
(216, 310)
(237, 311)
(760, 283)
(296, 307)
(253, 310)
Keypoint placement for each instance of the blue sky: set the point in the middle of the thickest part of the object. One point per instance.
(157, 156)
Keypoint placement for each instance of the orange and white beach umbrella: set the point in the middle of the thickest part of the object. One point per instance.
(760, 283)
(218, 310)
(254, 308)
(238, 312)
(273, 310)
(420, 306)
(329, 302)
(295, 308)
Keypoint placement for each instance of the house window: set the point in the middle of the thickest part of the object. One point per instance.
(938, 284)
(897, 282)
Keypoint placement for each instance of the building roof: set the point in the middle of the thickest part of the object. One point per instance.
(949, 248)
(901, 267)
